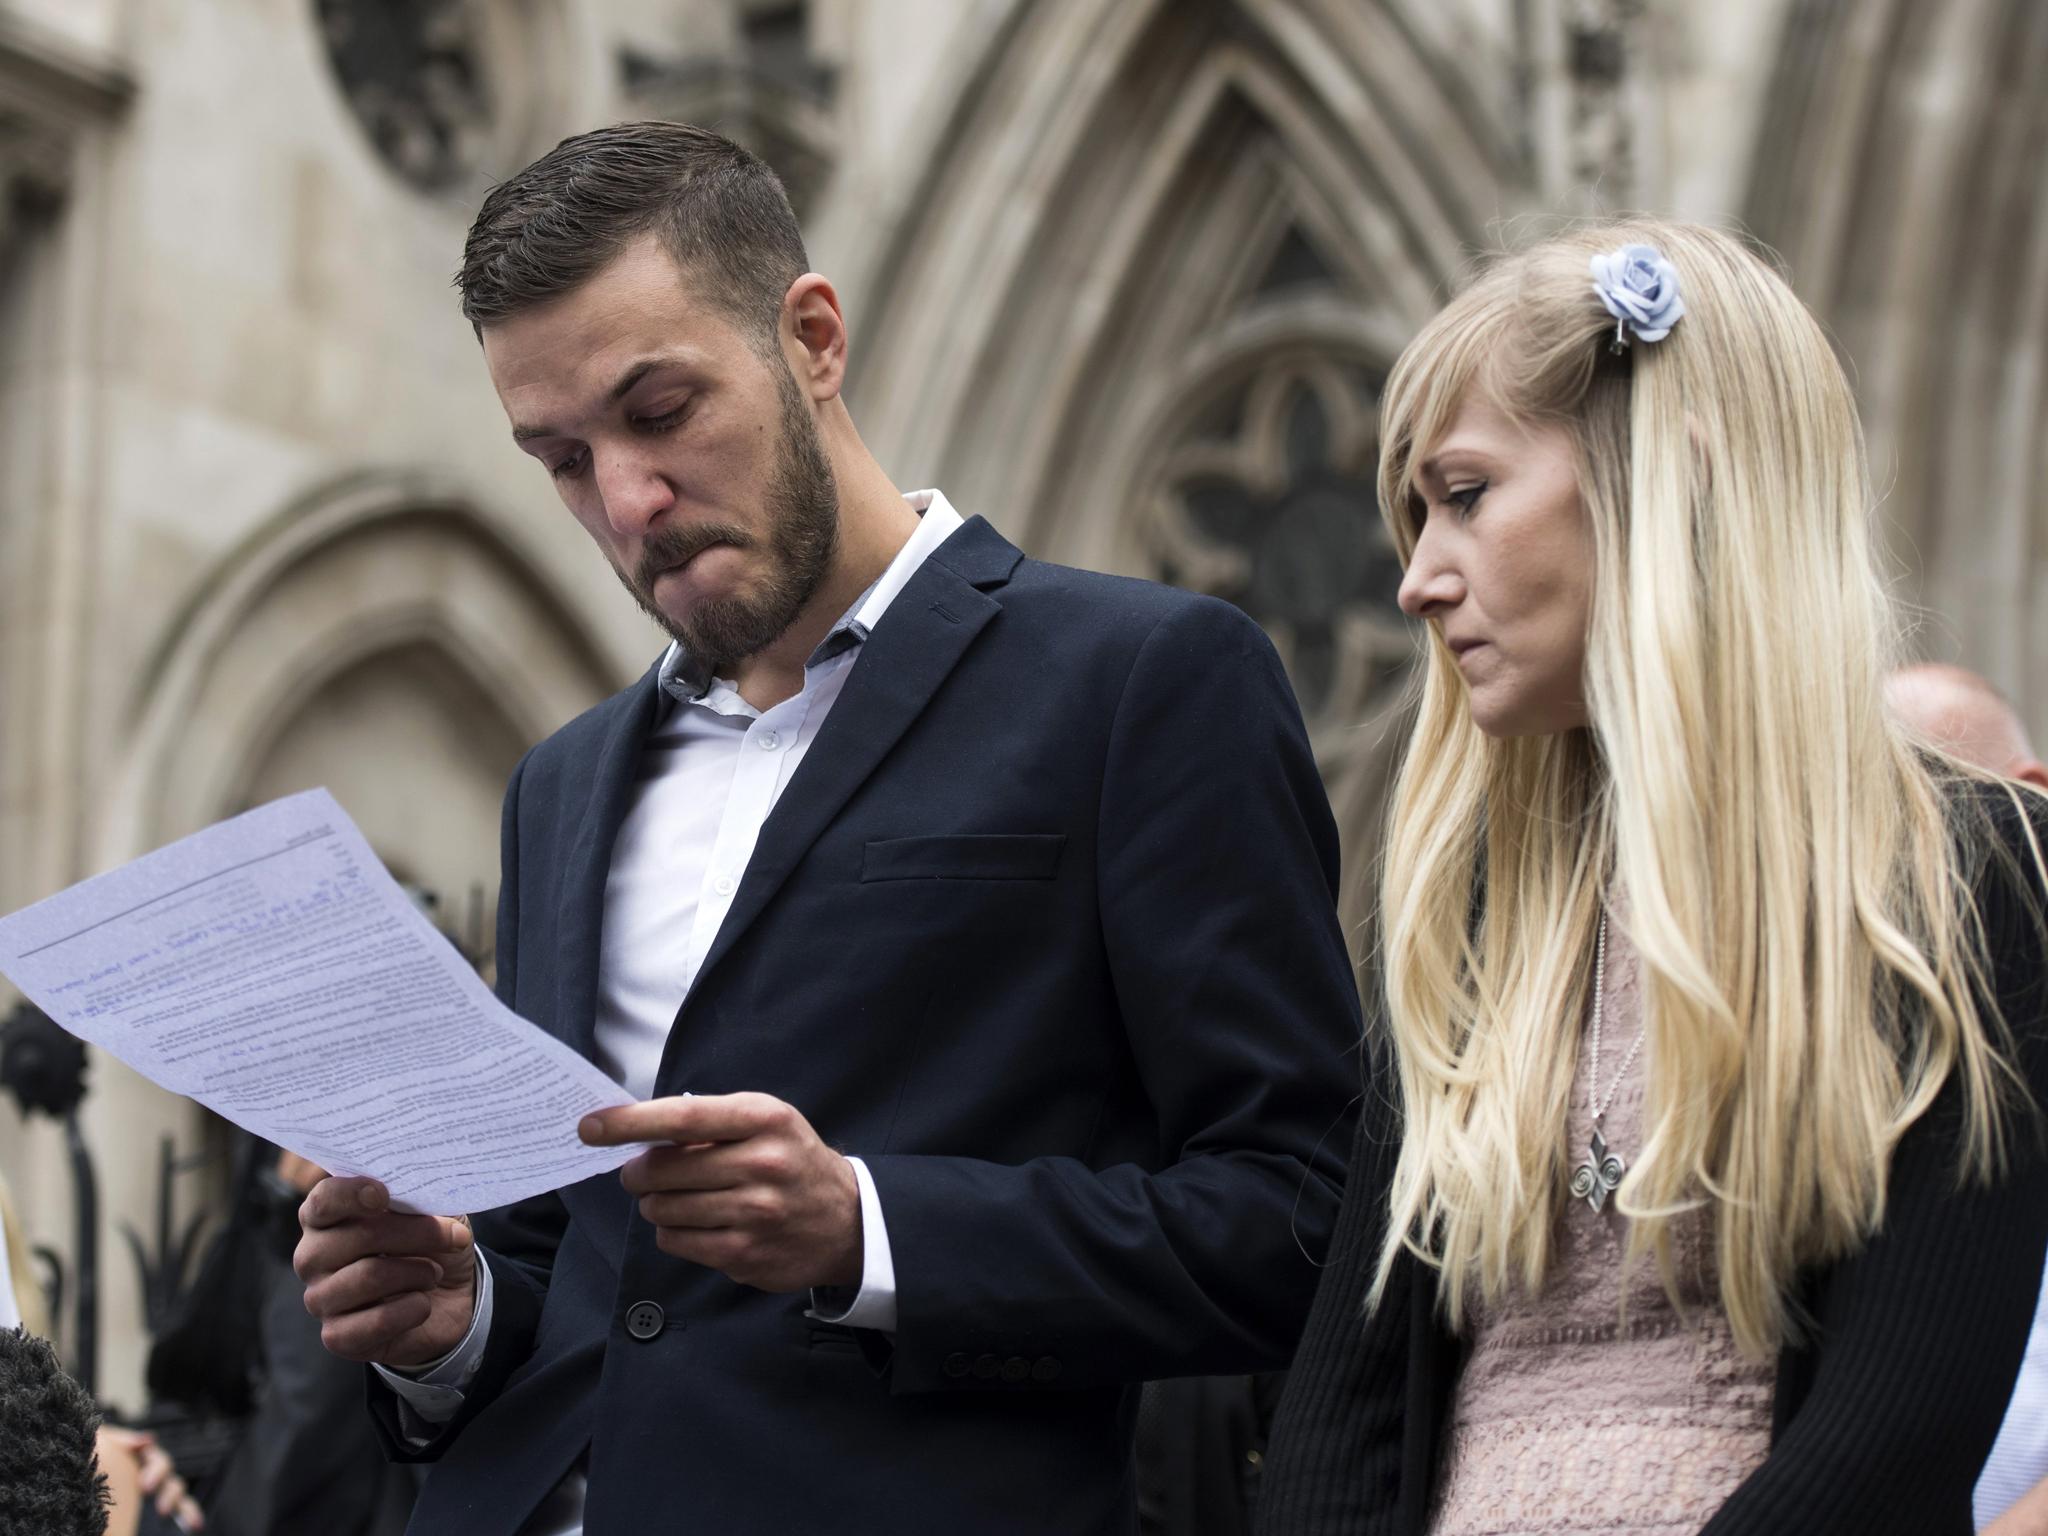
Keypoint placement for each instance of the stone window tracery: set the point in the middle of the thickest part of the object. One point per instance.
(415, 75)
(1269, 503)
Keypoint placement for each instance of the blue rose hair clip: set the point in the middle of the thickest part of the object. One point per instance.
(1640, 289)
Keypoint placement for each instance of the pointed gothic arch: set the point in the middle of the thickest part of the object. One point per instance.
(1138, 309)
(401, 571)
(1898, 171)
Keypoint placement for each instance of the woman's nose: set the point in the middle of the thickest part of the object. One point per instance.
(1430, 584)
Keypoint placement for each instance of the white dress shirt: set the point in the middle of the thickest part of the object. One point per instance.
(2019, 1457)
(710, 774)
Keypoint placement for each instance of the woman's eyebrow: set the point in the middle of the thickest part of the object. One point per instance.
(1432, 468)
(1476, 452)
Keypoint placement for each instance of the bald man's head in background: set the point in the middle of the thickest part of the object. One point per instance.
(1968, 716)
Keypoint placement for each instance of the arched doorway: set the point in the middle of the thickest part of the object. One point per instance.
(380, 626)
(381, 636)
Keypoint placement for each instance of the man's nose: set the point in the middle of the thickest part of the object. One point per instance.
(633, 490)
(1431, 584)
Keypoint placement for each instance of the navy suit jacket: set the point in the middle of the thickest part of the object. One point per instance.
(1043, 929)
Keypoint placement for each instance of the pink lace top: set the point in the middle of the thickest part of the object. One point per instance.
(1572, 1419)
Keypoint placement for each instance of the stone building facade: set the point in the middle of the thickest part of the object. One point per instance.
(1123, 276)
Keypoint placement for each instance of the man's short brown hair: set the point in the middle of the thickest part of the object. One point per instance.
(721, 212)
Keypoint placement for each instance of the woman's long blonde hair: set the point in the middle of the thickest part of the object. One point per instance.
(1797, 892)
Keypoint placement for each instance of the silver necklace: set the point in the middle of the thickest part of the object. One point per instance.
(1600, 1174)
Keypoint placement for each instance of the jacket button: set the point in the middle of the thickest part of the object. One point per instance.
(1047, 1369)
(644, 1320)
(986, 1367)
(1016, 1368)
(957, 1365)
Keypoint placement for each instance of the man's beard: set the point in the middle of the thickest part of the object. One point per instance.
(803, 541)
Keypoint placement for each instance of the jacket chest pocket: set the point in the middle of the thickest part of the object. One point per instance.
(965, 856)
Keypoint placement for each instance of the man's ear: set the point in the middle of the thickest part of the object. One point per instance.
(814, 336)
(2033, 772)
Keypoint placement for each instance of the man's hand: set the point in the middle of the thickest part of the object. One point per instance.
(155, 1477)
(396, 1290)
(747, 1189)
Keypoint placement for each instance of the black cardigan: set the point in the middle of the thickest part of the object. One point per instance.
(1881, 1423)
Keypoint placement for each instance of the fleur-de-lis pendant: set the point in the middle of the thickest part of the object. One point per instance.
(1599, 1175)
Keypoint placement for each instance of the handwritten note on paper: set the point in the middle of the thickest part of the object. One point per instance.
(270, 968)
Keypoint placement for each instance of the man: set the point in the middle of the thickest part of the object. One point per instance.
(966, 923)
(1966, 715)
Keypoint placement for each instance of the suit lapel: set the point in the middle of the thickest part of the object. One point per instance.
(580, 916)
(901, 666)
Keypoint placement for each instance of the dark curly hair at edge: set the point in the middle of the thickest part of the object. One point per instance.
(50, 1479)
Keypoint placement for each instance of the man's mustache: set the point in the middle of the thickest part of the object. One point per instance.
(668, 548)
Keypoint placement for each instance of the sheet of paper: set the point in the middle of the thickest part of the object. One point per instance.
(270, 968)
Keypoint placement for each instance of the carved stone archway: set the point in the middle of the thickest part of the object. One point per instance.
(1899, 171)
(390, 605)
(376, 565)
(1138, 310)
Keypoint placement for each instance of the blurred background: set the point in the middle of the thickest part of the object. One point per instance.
(1123, 276)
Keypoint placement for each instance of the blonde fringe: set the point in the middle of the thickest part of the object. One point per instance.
(1798, 883)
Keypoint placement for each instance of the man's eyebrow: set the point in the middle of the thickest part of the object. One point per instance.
(633, 375)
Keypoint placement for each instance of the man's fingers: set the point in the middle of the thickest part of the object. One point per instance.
(152, 1467)
(170, 1496)
(685, 1119)
(723, 1165)
(369, 1334)
(333, 1201)
(325, 1251)
(368, 1282)
(711, 1209)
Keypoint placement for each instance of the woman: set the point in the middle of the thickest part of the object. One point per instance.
(1714, 1196)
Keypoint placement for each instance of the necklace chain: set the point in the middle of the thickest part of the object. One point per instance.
(1595, 1101)
(1601, 1173)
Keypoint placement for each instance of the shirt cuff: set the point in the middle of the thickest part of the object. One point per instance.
(874, 1305)
(430, 1395)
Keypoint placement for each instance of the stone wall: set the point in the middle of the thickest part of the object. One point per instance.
(1123, 275)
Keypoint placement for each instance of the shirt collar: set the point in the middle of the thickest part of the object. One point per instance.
(683, 678)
